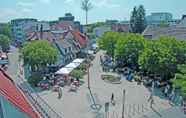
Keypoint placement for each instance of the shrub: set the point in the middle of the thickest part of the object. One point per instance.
(34, 79)
(77, 73)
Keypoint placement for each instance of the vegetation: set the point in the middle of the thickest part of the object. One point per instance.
(38, 54)
(137, 20)
(6, 30)
(77, 73)
(34, 79)
(152, 56)
(108, 41)
(4, 42)
(180, 79)
(128, 48)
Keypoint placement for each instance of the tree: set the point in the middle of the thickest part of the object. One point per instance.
(39, 53)
(4, 42)
(108, 40)
(6, 30)
(137, 20)
(128, 48)
(86, 5)
(133, 20)
(180, 79)
(156, 58)
(177, 47)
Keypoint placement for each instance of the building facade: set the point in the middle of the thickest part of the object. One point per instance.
(159, 17)
(20, 28)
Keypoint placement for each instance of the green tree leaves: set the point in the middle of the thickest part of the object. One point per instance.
(39, 53)
(137, 19)
(4, 42)
(129, 47)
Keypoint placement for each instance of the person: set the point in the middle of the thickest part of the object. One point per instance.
(151, 99)
(166, 91)
(59, 93)
(112, 99)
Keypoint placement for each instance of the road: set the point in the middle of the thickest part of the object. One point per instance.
(13, 67)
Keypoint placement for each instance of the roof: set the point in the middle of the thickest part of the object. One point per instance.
(63, 43)
(10, 92)
(37, 35)
(65, 25)
(157, 31)
(79, 37)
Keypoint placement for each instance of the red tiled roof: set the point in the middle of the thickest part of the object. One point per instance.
(37, 35)
(82, 39)
(15, 96)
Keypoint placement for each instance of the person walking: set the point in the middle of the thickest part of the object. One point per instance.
(59, 93)
(112, 99)
(151, 99)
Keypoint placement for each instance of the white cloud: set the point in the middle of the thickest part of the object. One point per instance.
(26, 10)
(25, 4)
(105, 3)
(8, 13)
(45, 1)
(68, 1)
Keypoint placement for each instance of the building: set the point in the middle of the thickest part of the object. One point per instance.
(177, 30)
(65, 22)
(13, 103)
(20, 28)
(68, 42)
(121, 27)
(154, 32)
(99, 31)
(159, 17)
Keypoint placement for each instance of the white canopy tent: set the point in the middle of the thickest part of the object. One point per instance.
(70, 67)
(64, 71)
(78, 60)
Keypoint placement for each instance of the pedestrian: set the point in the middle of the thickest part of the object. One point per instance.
(151, 97)
(59, 93)
(151, 102)
(112, 99)
(166, 91)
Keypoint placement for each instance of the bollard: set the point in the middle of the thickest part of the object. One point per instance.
(133, 109)
(129, 110)
(142, 108)
(138, 108)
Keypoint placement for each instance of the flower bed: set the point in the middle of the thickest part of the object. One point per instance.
(111, 79)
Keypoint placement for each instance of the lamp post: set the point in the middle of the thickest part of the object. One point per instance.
(89, 76)
(123, 108)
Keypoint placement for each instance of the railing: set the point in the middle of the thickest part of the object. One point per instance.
(39, 103)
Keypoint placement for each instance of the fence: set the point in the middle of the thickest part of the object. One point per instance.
(39, 104)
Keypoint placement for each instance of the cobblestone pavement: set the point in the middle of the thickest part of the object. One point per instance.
(78, 104)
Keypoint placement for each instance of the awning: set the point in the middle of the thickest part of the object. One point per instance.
(78, 60)
(70, 67)
(64, 71)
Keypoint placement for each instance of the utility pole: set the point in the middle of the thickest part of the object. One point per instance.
(123, 108)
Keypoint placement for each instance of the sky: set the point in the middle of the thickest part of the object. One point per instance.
(102, 9)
